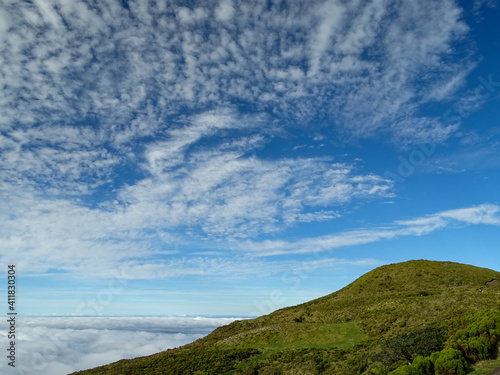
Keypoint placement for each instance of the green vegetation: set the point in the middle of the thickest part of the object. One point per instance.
(409, 345)
(286, 336)
(485, 367)
(479, 341)
(417, 317)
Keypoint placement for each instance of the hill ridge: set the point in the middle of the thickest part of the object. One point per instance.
(344, 326)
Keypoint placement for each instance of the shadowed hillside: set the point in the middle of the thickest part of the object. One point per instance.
(346, 332)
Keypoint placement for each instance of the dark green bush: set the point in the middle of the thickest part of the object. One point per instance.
(409, 345)
(477, 348)
(485, 323)
(420, 366)
(481, 337)
(449, 362)
(423, 366)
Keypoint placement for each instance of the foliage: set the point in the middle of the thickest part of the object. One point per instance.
(485, 323)
(423, 365)
(408, 345)
(405, 370)
(476, 342)
(479, 340)
(449, 362)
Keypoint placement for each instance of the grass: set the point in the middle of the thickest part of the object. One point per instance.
(485, 367)
(295, 335)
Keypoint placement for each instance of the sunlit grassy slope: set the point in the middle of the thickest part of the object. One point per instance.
(336, 334)
(285, 336)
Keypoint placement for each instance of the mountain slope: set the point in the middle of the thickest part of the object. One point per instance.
(338, 333)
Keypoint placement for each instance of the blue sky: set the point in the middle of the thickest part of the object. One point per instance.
(232, 158)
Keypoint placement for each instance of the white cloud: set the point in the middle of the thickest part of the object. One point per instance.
(221, 198)
(422, 130)
(315, 216)
(199, 182)
(61, 345)
(188, 16)
(225, 10)
(478, 154)
(4, 21)
(482, 214)
(446, 88)
(483, 5)
(362, 66)
(331, 19)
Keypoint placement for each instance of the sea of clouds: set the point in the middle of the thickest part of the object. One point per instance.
(62, 345)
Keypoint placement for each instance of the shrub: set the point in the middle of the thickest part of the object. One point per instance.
(408, 345)
(420, 366)
(479, 340)
(449, 362)
(484, 322)
(357, 365)
(477, 348)
(405, 370)
(462, 334)
(375, 371)
(423, 366)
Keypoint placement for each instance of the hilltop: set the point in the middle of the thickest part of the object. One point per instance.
(346, 332)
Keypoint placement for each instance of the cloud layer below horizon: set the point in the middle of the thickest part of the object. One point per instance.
(62, 345)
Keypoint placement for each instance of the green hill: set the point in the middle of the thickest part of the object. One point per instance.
(350, 331)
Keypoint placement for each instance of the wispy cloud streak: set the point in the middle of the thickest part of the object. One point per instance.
(487, 214)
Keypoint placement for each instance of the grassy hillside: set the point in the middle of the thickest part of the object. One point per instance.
(346, 332)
